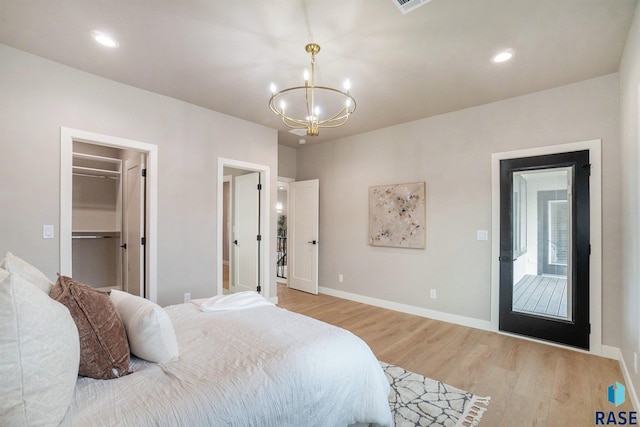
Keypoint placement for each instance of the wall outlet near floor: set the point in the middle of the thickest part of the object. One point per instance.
(340, 278)
(635, 362)
(187, 297)
(433, 294)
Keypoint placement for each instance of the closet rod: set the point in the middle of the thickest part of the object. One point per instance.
(94, 176)
(93, 237)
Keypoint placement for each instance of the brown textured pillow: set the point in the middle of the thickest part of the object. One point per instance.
(104, 350)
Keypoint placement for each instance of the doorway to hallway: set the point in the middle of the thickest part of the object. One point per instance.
(243, 225)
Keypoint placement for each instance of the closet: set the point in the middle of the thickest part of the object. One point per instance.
(108, 218)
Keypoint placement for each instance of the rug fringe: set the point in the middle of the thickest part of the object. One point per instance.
(473, 413)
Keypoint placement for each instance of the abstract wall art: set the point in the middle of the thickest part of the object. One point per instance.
(397, 215)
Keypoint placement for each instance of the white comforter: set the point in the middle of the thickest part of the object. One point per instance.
(262, 366)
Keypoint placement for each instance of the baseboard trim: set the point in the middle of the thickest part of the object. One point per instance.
(409, 309)
(611, 352)
(631, 391)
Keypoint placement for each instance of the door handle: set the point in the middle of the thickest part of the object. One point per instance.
(313, 242)
(507, 259)
(124, 246)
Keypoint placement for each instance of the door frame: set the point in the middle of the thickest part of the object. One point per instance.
(265, 221)
(67, 137)
(544, 201)
(595, 265)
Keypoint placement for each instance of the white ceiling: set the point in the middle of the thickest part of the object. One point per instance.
(223, 55)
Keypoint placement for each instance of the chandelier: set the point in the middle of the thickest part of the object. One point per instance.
(300, 106)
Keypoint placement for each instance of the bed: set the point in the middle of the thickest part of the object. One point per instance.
(258, 365)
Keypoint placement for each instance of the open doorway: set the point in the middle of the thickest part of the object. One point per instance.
(108, 217)
(243, 224)
(282, 209)
(108, 212)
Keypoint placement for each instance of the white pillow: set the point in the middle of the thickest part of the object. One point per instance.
(26, 271)
(39, 354)
(149, 328)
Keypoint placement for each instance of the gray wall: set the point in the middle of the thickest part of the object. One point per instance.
(630, 212)
(452, 154)
(287, 158)
(39, 96)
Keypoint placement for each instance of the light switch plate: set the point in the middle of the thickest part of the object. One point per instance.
(47, 232)
(482, 234)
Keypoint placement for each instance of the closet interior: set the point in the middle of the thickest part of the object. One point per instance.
(101, 218)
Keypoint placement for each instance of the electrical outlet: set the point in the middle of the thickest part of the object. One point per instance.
(340, 278)
(432, 294)
(635, 362)
(187, 297)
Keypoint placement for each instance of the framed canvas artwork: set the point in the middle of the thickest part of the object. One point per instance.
(397, 215)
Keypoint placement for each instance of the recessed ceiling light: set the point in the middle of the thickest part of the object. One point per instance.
(104, 39)
(503, 56)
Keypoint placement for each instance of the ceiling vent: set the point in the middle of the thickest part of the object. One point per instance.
(299, 132)
(407, 6)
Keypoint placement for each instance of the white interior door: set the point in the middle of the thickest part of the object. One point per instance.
(246, 230)
(133, 226)
(303, 207)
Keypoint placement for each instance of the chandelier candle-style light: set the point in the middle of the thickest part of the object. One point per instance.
(299, 106)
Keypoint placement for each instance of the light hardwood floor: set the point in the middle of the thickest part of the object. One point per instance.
(530, 384)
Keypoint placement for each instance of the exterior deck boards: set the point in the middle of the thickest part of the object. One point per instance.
(546, 295)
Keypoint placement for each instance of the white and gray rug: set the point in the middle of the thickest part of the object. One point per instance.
(419, 401)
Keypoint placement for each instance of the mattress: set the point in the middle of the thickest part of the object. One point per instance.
(262, 366)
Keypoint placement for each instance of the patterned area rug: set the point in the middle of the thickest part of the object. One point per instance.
(419, 401)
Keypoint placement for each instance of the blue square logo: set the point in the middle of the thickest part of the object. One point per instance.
(615, 394)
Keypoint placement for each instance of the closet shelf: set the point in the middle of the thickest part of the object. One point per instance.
(81, 170)
(100, 166)
(94, 233)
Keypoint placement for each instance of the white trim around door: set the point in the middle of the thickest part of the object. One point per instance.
(265, 221)
(595, 268)
(67, 137)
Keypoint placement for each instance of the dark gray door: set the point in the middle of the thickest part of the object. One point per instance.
(544, 247)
